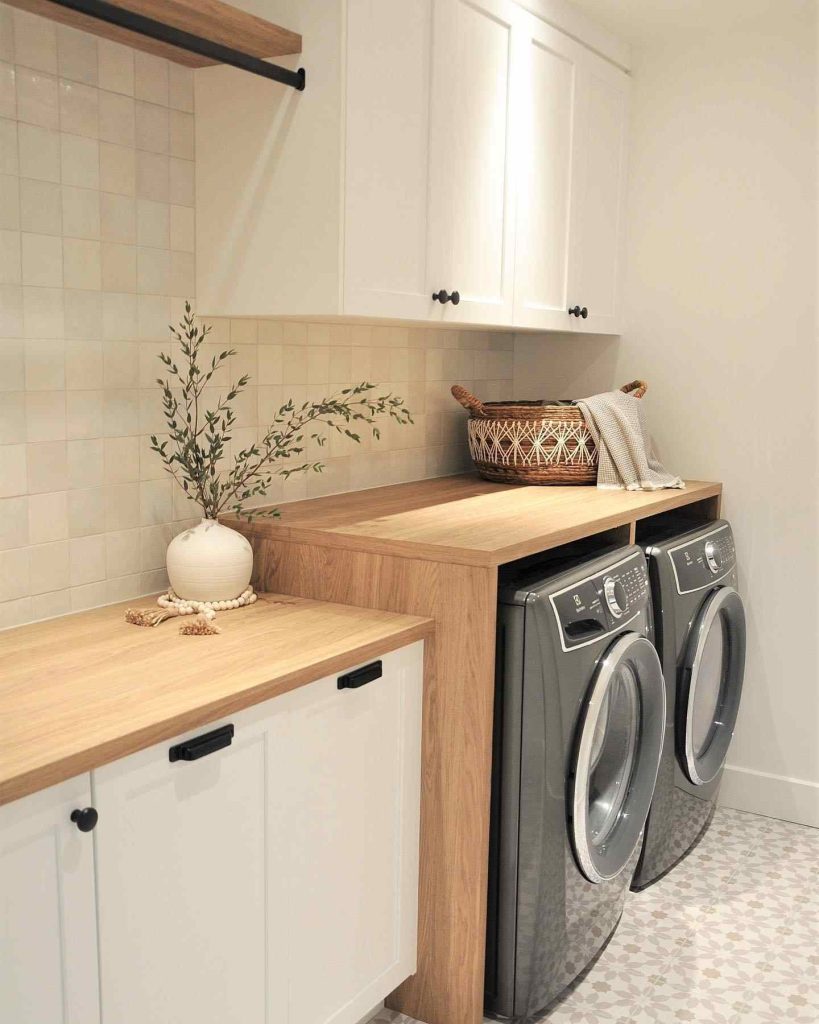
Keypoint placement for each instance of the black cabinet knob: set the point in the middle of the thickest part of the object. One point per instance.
(578, 311)
(86, 819)
(444, 296)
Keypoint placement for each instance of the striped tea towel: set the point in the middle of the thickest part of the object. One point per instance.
(626, 456)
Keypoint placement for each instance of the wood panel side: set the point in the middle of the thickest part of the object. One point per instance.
(456, 753)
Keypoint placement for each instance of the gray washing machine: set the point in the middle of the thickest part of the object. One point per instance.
(699, 624)
(579, 723)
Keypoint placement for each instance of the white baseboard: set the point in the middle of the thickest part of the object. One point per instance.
(775, 796)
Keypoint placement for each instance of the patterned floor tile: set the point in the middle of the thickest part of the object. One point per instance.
(730, 936)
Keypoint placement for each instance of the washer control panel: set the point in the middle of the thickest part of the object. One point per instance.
(600, 604)
(699, 563)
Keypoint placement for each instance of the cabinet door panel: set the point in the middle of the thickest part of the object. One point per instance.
(546, 160)
(48, 938)
(474, 91)
(352, 767)
(181, 882)
(598, 234)
(387, 101)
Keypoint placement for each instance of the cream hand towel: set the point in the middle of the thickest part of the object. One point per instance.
(627, 461)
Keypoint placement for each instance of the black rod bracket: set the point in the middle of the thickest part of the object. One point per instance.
(113, 15)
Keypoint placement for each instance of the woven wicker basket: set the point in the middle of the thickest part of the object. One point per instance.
(532, 442)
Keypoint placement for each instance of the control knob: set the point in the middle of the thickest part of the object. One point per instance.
(615, 595)
(713, 557)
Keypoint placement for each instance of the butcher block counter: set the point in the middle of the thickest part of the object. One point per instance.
(433, 549)
(82, 690)
(465, 520)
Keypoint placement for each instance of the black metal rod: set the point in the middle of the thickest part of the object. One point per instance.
(138, 23)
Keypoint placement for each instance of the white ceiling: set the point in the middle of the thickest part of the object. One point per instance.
(646, 21)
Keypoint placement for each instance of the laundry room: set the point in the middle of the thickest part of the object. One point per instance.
(409, 511)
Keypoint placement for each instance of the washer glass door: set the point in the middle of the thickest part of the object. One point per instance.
(711, 685)
(617, 754)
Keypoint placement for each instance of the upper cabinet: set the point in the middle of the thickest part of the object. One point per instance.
(475, 87)
(570, 162)
(451, 161)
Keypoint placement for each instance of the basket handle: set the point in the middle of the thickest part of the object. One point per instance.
(637, 388)
(468, 400)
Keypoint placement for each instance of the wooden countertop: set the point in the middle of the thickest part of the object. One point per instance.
(465, 519)
(82, 690)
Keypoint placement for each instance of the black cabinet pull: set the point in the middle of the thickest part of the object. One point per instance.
(578, 311)
(360, 676)
(444, 296)
(201, 746)
(85, 819)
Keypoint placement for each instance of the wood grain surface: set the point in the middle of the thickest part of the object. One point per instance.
(466, 520)
(82, 690)
(209, 19)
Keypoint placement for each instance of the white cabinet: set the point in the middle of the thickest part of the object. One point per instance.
(273, 881)
(475, 91)
(48, 932)
(385, 165)
(598, 228)
(182, 875)
(349, 771)
(570, 159)
(546, 163)
(315, 203)
(467, 146)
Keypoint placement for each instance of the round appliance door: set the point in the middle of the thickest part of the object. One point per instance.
(711, 685)
(616, 757)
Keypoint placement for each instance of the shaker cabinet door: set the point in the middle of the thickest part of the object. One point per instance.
(547, 162)
(474, 95)
(350, 769)
(386, 159)
(181, 869)
(48, 930)
(598, 231)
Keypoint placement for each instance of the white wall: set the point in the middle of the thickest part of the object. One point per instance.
(722, 285)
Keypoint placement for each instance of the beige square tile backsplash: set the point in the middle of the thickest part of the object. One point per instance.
(96, 258)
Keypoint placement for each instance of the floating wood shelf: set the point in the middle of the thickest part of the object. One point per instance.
(210, 20)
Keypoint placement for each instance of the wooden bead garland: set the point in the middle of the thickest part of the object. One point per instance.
(207, 609)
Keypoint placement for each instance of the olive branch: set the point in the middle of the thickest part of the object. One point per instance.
(195, 453)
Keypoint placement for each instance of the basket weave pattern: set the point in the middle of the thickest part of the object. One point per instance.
(532, 442)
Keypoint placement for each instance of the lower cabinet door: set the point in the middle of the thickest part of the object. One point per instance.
(350, 769)
(181, 883)
(48, 932)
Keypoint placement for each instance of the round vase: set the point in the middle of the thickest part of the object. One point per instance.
(209, 562)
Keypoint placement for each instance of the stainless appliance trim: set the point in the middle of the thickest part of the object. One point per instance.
(617, 654)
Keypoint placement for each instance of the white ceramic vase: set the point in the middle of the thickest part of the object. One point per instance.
(209, 562)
